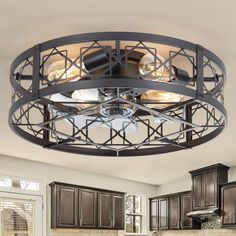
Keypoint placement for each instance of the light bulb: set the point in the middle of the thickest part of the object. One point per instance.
(147, 66)
(165, 98)
(57, 72)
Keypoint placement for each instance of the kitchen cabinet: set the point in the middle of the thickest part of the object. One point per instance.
(87, 208)
(186, 207)
(170, 212)
(75, 206)
(228, 205)
(110, 210)
(118, 211)
(163, 213)
(205, 186)
(197, 188)
(154, 214)
(104, 210)
(64, 207)
(174, 212)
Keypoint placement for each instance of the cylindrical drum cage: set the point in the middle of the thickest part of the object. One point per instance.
(117, 94)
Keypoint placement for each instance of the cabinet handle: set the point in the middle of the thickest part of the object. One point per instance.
(80, 221)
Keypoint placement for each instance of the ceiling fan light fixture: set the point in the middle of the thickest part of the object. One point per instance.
(117, 82)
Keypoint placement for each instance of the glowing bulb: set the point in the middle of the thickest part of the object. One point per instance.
(148, 66)
(58, 72)
(165, 98)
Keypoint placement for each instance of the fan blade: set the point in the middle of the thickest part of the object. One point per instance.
(86, 95)
(125, 124)
(84, 122)
(57, 97)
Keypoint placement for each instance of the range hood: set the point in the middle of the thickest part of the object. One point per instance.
(204, 214)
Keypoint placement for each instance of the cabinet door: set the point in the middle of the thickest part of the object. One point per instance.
(197, 190)
(174, 212)
(228, 206)
(104, 210)
(87, 208)
(163, 213)
(67, 207)
(118, 211)
(186, 207)
(153, 214)
(210, 188)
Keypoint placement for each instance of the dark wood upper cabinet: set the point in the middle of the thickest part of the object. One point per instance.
(186, 207)
(228, 205)
(170, 212)
(87, 208)
(84, 207)
(153, 214)
(110, 210)
(163, 213)
(206, 186)
(118, 211)
(64, 207)
(105, 210)
(174, 212)
(210, 188)
(197, 189)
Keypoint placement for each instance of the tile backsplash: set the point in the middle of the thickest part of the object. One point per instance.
(214, 223)
(86, 232)
(203, 232)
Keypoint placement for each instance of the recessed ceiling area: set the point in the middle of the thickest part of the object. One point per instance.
(208, 23)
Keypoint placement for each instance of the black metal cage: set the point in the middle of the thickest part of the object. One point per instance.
(108, 63)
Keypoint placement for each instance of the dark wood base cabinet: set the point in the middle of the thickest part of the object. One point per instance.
(83, 207)
(228, 205)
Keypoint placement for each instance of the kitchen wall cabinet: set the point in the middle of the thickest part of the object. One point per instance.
(197, 189)
(104, 210)
(206, 186)
(174, 212)
(64, 207)
(118, 211)
(163, 213)
(87, 208)
(84, 207)
(228, 205)
(110, 210)
(154, 218)
(186, 207)
(170, 212)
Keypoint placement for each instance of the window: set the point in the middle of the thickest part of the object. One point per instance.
(12, 182)
(20, 215)
(135, 214)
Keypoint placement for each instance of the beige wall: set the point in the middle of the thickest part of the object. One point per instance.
(184, 183)
(50, 173)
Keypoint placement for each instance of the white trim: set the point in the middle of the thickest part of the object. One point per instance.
(38, 208)
(39, 192)
(143, 213)
(42, 192)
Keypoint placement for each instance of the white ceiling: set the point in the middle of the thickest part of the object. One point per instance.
(210, 23)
